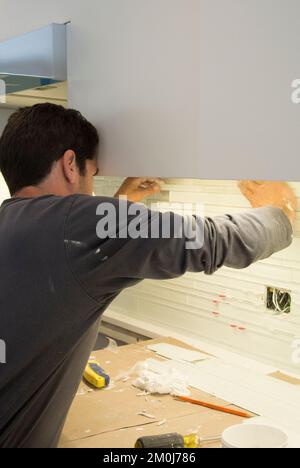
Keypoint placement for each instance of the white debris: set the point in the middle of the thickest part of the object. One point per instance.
(162, 423)
(146, 415)
(110, 387)
(171, 383)
(112, 346)
(142, 394)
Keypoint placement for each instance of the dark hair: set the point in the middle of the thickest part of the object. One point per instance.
(35, 137)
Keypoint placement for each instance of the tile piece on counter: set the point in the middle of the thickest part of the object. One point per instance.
(177, 354)
(262, 395)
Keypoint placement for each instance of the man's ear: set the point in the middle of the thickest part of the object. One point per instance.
(70, 167)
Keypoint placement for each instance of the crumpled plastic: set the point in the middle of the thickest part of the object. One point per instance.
(169, 383)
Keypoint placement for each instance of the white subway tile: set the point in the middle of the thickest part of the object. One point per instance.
(187, 303)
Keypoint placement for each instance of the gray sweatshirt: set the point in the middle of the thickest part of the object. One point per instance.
(58, 277)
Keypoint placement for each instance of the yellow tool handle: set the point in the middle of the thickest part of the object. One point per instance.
(95, 375)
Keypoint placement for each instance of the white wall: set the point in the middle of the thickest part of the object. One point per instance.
(4, 193)
(4, 115)
(186, 306)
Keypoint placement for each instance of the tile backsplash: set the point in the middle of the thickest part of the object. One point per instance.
(227, 309)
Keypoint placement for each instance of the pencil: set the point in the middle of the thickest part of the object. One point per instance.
(222, 409)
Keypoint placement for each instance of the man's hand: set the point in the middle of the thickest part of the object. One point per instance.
(136, 189)
(277, 194)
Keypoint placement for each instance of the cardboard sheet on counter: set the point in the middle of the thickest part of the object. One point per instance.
(109, 418)
(104, 411)
(208, 424)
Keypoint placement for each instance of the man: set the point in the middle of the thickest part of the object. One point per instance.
(58, 276)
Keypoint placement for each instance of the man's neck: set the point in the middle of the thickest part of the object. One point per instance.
(31, 192)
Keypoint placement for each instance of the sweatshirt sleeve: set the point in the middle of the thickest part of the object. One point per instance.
(240, 240)
(108, 265)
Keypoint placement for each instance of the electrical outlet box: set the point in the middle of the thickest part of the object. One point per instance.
(278, 300)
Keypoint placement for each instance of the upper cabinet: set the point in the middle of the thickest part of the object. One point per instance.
(33, 68)
(183, 88)
(39, 53)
